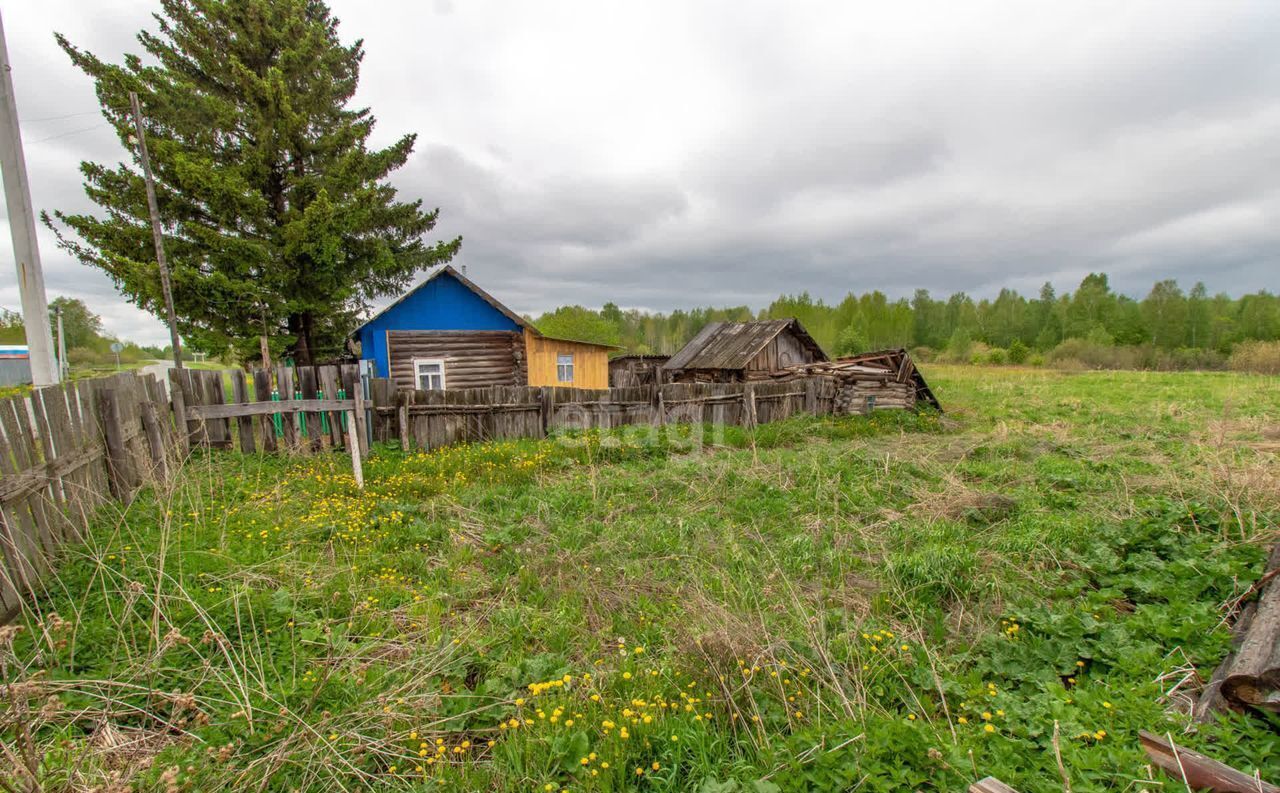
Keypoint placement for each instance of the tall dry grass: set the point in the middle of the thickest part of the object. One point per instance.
(1261, 357)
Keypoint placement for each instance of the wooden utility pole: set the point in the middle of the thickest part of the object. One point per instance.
(64, 369)
(22, 227)
(264, 347)
(156, 232)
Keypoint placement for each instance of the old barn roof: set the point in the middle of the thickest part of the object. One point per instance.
(732, 345)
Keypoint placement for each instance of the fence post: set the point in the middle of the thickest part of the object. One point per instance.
(811, 396)
(749, 403)
(155, 439)
(659, 406)
(240, 393)
(546, 405)
(119, 472)
(360, 420)
(179, 400)
(402, 403)
(262, 392)
(356, 469)
(288, 426)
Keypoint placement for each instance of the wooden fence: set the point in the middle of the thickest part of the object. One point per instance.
(66, 451)
(429, 419)
(307, 408)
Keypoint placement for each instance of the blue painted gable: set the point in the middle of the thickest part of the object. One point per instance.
(442, 303)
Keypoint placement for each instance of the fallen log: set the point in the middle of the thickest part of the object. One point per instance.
(1199, 772)
(1250, 674)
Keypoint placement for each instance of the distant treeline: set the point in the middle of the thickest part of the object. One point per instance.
(1092, 326)
(87, 345)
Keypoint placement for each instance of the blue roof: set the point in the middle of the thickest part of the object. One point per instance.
(398, 306)
(446, 300)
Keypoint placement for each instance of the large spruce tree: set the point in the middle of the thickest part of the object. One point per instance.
(276, 213)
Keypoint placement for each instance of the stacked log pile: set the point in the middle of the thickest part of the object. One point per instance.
(871, 381)
(1249, 677)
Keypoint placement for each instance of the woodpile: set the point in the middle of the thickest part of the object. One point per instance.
(887, 379)
(1249, 677)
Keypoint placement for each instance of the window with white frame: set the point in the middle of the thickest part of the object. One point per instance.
(428, 374)
(564, 368)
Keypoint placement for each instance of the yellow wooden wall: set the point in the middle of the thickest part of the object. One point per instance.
(590, 362)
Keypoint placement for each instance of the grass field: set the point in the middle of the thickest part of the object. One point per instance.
(897, 602)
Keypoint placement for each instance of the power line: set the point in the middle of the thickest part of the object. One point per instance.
(58, 118)
(73, 132)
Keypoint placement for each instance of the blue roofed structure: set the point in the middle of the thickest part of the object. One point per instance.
(445, 301)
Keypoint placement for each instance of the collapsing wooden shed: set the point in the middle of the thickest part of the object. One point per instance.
(636, 369)
(885, 379)
(732, 352)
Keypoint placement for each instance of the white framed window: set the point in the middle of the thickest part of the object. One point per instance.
(564, 367)
(428, 374)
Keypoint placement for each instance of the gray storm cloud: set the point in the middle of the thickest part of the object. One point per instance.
(669, 154)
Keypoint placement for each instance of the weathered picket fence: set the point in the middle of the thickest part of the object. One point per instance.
(301, 409)
(429, 419)
(65, 451)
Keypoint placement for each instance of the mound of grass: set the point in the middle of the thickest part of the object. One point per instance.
(883, 603)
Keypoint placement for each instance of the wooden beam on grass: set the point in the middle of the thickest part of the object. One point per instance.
(1199, 772)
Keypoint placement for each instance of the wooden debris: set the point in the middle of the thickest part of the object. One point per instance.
(881, 379)
(1199, 772)
(1250, 674)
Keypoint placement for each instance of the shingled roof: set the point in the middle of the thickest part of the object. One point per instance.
(732, 345)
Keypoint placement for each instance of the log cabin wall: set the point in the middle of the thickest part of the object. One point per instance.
(590, 362)
(865, 395)
(472, 358)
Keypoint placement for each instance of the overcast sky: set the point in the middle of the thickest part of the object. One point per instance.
(673, 154)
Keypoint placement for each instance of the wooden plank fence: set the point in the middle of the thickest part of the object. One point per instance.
(66, 451)
(430, 419)
(301, 409)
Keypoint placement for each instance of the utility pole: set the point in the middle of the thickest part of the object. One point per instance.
(156, 232)
(265, 348)
(63, 368)
(22, 227)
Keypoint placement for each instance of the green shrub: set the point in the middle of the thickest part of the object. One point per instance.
(1018, 352)
(997, 357)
